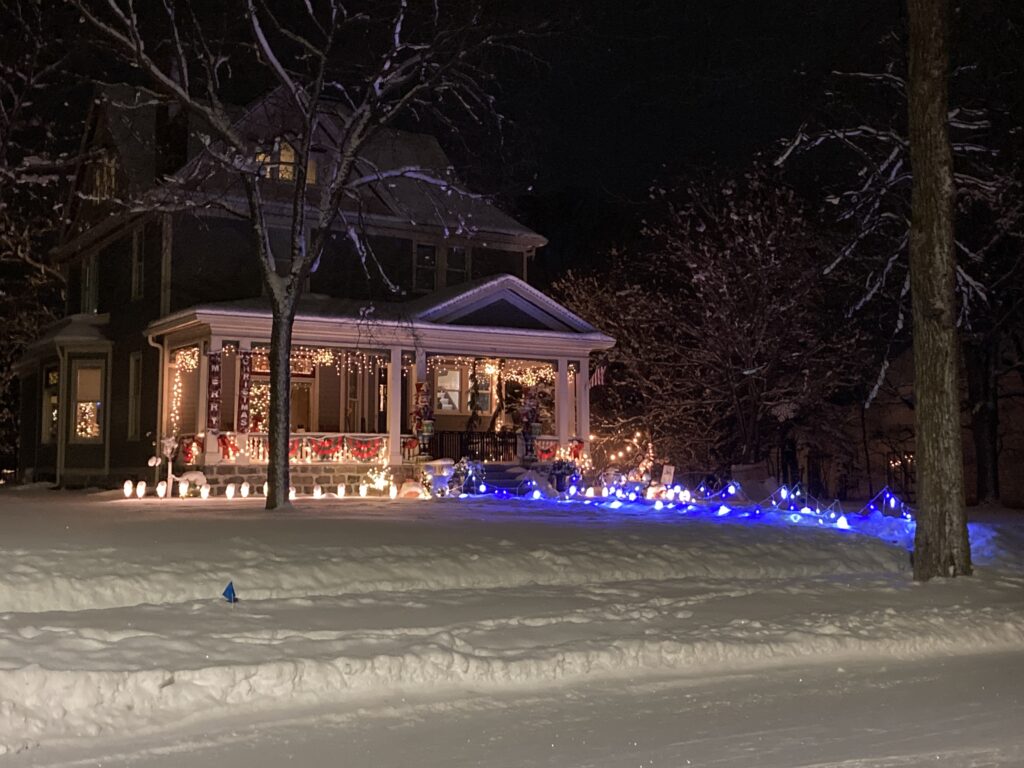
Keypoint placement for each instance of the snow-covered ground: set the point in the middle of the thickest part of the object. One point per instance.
(494, 633)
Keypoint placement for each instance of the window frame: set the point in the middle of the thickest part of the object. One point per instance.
(49, 436)
(465, 387)
(89, 289)
(76, 366)
(138, 265)
(463, 271)
(135, 395)
(433, 268)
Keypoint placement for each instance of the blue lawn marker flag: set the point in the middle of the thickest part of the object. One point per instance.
(229, 593)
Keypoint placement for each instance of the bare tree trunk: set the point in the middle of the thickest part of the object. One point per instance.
(941, 547)
(279, 418)
(982, 396)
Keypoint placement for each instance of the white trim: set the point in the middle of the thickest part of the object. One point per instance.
(494, 290)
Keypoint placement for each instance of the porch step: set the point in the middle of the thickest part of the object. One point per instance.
(505, 476)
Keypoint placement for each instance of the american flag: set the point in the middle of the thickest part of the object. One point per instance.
(597, 377)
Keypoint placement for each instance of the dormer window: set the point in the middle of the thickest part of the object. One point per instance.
(280, 164)
(104, 178)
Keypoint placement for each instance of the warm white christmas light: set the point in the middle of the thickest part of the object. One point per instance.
(129, 487)
(140, 489)
(318, 492)
(183, 488)
(341, 490)
(266, 487)
(244, 489)
(363, 488)
(291, 494)
(161, 489)
(229, 490)
(393, 491)
(204, 491)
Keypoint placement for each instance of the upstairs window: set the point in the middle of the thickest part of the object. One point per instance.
(280, 164)
(90, 287)
(457, 267)
(104, 178)
(425, 274)
(138, 264)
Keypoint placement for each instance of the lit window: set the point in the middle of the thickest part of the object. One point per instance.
(286, 166)
(449, 390)
(104, 180)
(426, 267)
(263, 162)
(483, 393)
(88, 400)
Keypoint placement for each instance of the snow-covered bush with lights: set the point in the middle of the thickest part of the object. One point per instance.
(468, 476)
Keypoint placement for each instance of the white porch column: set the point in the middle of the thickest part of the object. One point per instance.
(562, 403)
(395, 407)
(583, 403)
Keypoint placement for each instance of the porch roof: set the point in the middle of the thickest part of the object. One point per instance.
(499, 315)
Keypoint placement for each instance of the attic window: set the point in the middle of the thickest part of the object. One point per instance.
(104, 178)
(280, 164)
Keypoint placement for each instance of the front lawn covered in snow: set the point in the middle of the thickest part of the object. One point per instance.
(111, 618)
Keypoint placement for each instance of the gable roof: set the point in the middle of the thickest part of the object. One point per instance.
(496, 302)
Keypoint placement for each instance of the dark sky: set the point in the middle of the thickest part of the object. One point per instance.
(636, 92)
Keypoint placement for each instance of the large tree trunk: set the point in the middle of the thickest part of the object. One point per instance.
(940, 546)
(279, 426)
(983, 399)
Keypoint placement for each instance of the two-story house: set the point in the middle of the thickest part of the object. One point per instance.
(167, 329)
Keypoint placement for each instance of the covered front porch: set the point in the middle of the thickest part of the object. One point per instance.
(497, 394)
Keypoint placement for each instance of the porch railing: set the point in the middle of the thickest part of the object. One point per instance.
(482, 446)
(306, 447)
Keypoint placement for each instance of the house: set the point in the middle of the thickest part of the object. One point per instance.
(166, 329)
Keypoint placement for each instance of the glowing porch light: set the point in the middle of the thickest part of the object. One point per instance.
(244, 489)
(129, 488)
(161, 489)
(229, 491)
(140, 489)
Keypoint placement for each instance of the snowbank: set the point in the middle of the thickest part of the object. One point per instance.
(112, 620)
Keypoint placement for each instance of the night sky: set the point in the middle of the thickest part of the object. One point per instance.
(631, 96)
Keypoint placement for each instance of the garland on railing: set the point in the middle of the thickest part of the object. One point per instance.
(364, 448)
(327, 447)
